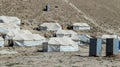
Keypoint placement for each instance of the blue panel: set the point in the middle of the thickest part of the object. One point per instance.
(99, 47)
(116, 47)
(95, 47)
(112, 47)
(119, 45)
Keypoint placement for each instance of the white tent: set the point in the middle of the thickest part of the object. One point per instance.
(105, 36)
(62, 33)
(52, 26)
(10, 19)
(60, 44)
(76, 39)
(81, 39)
(28, 40)
(1, 42)
(8, 27)
(12, 34)
(81, 26)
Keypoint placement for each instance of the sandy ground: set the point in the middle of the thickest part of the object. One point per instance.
(32, 57)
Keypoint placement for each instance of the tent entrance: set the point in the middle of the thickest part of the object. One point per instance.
(55, 48)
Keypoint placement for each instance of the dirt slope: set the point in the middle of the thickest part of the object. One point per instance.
(104, 12)
(28, 10)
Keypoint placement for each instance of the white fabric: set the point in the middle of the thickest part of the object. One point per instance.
(8, 27)
(62, 44)
(12, 34)
(109, 36)
(52, 26)
(28, 40)
(65, 32)
(69, 48)
(28, 43)
(62, 48)
(53, 48)
(61, 33)
(9, 19)
(61, 41)
(1, 42)
(81, 26)
(81, 38)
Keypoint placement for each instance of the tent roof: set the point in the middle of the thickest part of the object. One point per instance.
(80, 24)
(61, 41)
(8, 25)
(65, 32)
(51, 26)
(75, 37)
(10, 19)
(80, 37)
(13, 33)
(27, 37)
(109, 36)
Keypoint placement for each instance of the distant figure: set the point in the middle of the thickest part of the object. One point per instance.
(47, 8)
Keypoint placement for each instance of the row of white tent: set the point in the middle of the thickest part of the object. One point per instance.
(23, 38)
(65, 40)
(10, 27)
(60, 43)
(54, 26)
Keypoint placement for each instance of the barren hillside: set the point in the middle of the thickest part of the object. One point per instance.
(104, 12)
(102, 15)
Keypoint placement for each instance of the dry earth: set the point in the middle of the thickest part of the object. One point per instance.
(102, 15)
(32, 57)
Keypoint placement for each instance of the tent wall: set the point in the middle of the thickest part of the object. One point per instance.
(53, 48)
(28, 43)
(69, 48)
(81, 28)
(77, 41)
(62, 35)
(59, 48)
(2, 43)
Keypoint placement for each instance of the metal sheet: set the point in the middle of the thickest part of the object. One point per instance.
(112, 47)
(95, 48)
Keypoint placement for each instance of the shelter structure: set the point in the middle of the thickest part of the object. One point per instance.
(28, 40)
(12, 34)
(8, 27)
(62, 33)
(81, 26)
(81, 39)
(2, 42)
(57, 44)
(106, 36)
(50, 26)
(10, 19)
